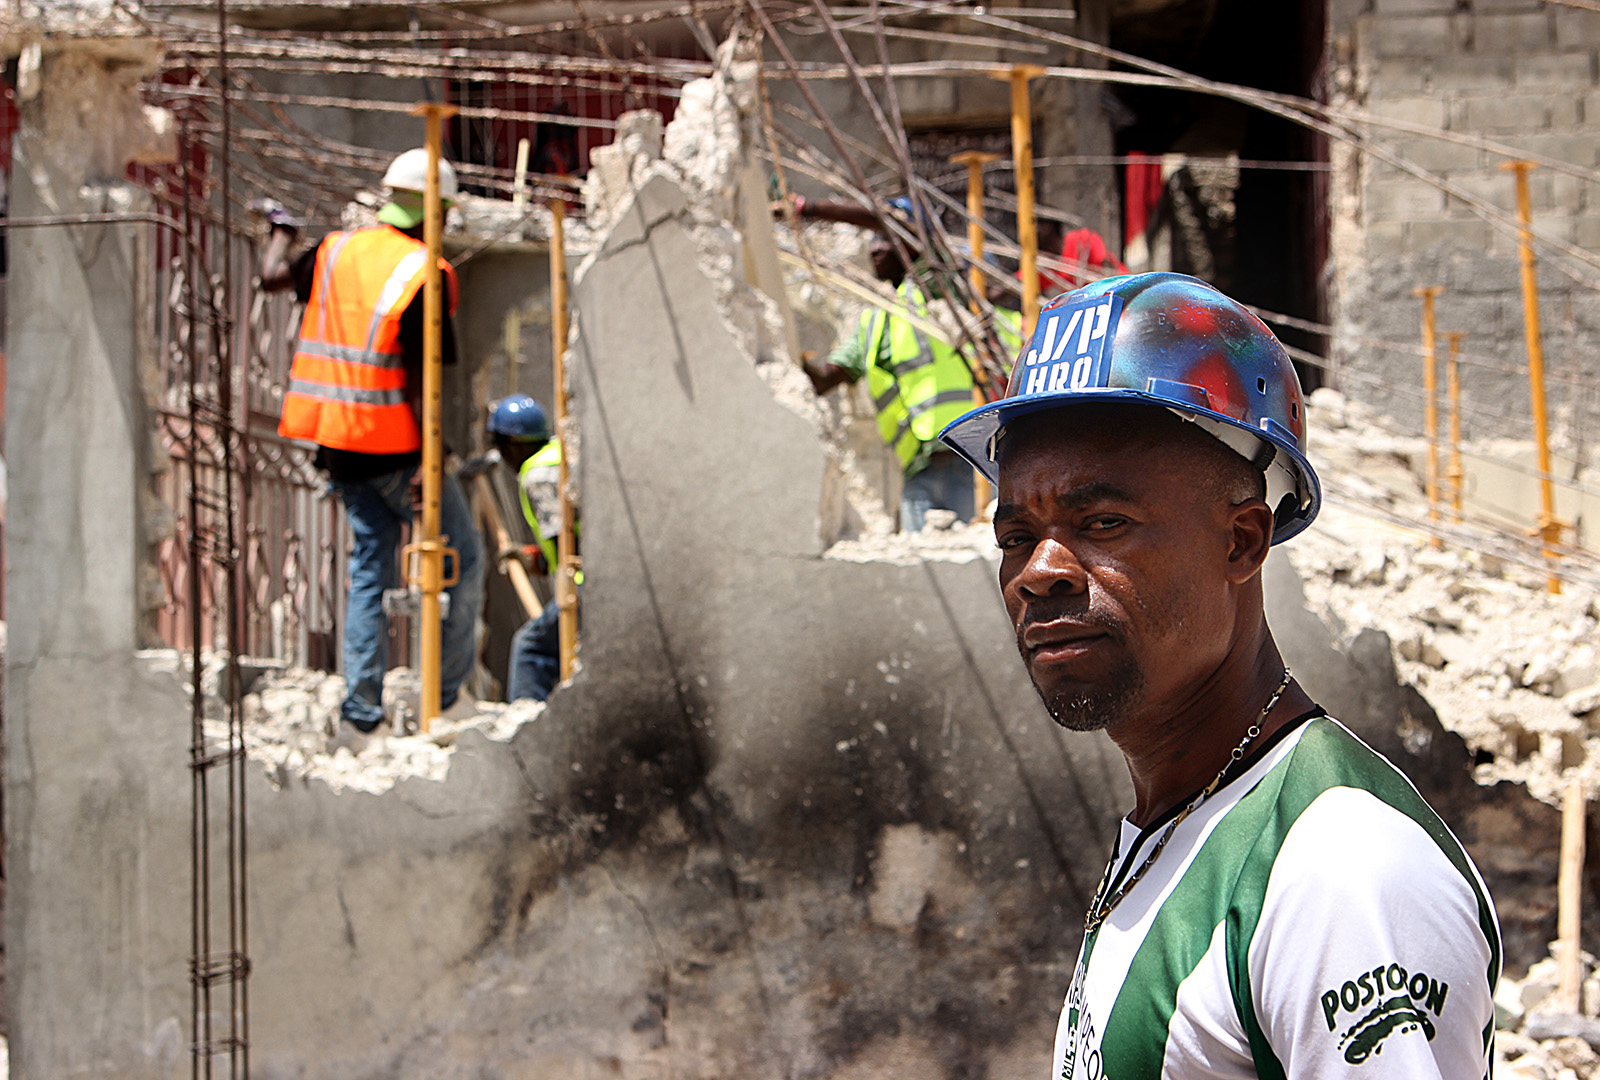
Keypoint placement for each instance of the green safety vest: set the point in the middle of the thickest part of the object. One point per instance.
(549, 456)
(924, 384)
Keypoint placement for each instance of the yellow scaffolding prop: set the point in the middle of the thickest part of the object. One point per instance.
(429, 553)
(975, 160)
(1022, 160)
(566, 543)
(1548, 527)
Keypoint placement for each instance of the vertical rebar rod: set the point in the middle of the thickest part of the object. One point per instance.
(1430, 390)
(199, 824)
(232, 412)
(1549, 529)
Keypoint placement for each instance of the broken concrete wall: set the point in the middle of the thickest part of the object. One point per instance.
(795, 815)
(96, 784)
(1521, 73)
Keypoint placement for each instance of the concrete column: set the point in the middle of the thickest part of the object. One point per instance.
(96, 788)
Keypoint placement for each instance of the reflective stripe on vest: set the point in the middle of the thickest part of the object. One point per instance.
(923, 385)
(347, 386)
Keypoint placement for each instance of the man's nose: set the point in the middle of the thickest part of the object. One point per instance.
(1052, 568)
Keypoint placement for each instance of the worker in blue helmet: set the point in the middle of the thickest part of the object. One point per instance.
(1280, 901)
(520, 433)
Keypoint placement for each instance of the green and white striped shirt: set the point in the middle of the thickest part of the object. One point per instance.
(1312, 919)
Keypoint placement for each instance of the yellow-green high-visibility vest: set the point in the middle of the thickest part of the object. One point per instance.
(923, 385)
(549, 456)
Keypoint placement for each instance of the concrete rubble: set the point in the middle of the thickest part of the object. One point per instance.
(292, 727)
(1537, 1041)
(1512, 669)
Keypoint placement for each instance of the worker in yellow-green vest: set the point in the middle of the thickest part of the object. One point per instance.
(918, 385)
(521, 435)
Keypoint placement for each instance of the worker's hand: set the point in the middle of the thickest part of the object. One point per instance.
(474, 467)
(823, 375)
(274, 214)
(414, 490)
(539, 565)
(781, 208)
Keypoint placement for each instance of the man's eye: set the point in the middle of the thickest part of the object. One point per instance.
(1012, 541)
(1104, 524)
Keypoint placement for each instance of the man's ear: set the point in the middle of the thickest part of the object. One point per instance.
(1250, 538)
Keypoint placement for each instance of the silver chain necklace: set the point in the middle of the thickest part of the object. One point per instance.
(1102, 906)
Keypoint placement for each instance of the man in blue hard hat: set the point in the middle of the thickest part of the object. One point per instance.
(1280, 901)
(520, 433)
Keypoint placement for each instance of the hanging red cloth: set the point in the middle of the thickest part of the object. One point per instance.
(1086, 253)
(1143, 193)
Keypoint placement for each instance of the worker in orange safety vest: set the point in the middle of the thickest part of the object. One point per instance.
(355, 390)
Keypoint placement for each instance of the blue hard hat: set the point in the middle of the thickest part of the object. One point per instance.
(1169, 340)
(925, 213)
(520, 418)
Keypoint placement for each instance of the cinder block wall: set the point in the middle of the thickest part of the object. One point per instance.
(1520, 72)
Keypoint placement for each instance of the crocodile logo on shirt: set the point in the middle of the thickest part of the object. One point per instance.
(1394, 1017)
(1411, 996)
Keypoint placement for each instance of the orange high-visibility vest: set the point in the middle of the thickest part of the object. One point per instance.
(347, 386)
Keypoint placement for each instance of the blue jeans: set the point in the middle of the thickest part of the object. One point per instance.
(377, 509)
(535, 663)
(946, 484)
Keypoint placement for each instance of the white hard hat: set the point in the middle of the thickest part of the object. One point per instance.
(409, 172)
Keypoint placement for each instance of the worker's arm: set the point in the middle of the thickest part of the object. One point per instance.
(1373, 955)
(824, 376)
(276, 268)
(846, 364)
(849, 213)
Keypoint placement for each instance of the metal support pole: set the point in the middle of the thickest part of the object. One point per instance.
(566, 546)
(1430, 388)
(975, 160)
(1022, 159)
(1548, 528)
(431, 548)
(1455, 474)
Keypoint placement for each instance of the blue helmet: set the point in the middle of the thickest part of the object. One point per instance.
(925, 213)
(1169, 340)
(519, 418)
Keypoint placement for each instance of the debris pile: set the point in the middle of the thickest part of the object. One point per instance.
(291, 723)
(1535, 1040)
(1510, 668)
